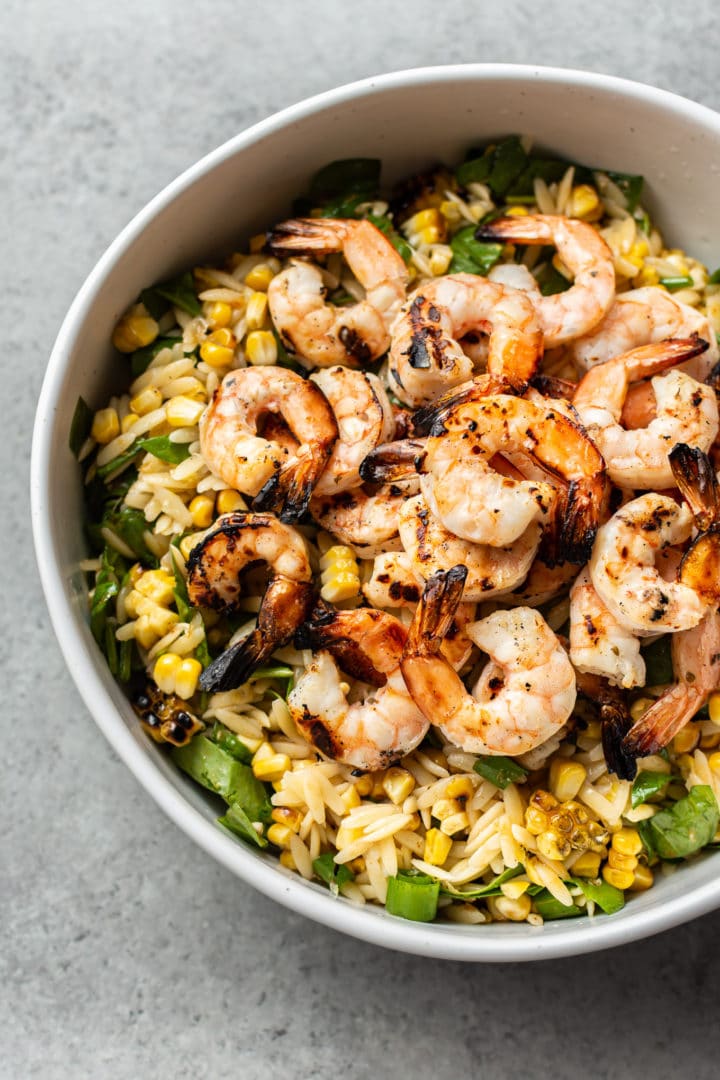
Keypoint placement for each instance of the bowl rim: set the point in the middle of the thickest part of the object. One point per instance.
(441, 941)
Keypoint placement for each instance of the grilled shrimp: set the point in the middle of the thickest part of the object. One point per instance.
(569, 314)
(491, 571)
(318, 332)
(426, 358)
(364, 417)
(365, 519)
(685, 410)
(643, 317)
(599, 644)
(233, 445)
(523, 695)
(622, 567)
(214, 566)
(393, 584)
(383, 726)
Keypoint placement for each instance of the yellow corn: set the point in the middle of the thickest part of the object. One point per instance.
(356, 866)
(451, 212)
(146, 401)
(398, 784)
(229, 500)
(593, 729)
(643, 878)
(552, 846)
(127, 421)
(187, 677)
(621, 862)
(218, 348)
(627, 842)
(153, 624)
(514, 889)
(621, 879)
(639, 707)
(426, 227)
(566, 778)
(440, 259)
(437, 847)
(455, 823)
(135, 573)
(714, 707)
(364, 785)
(182, 411)
(256, 310)
(445, 808)
(105, 426)
(279, 835)
(287, 860)
(517, 211)
(503, 907)
(261, 348)
(202, 509)
(710, 741)
(584, 203)
(157, 585)
(218, 314)
(259, 277)
(536, 820)
(647, 276)
(686, 740)
(377, 791)
(459, 787)
(188, 543)
(351, 798)
(286, 815)
(177, 675)
(588, 865)
(714, 762)
(135, 330)
(164, 672)
(256, 243)
(340, 577)
(269, 766)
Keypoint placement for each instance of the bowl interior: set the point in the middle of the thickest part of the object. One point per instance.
(411, 121)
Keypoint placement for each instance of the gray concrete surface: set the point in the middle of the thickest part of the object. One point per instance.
(126, 952)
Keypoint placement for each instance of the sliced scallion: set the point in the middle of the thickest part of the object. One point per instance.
(412, 896)
(500, 771)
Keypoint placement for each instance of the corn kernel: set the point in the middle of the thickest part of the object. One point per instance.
(710, 741)
(187, 677)
(259, 277)
(621, 862)
(440, 259)
(165, 671)
(146, 401)
(157, 585)
(445, 808)
(287, 815)
(505, 908)
(627, 842)
(135, 573)
(188, 543)
(261, 348)
(218, 314)
(377, 791)
(594, 729)
(229, 501)
(437, 847)
(256, 310)
(135, 330)
(287, 860)
(553, 846)
(218, 348)
(182, 411)
(455, 823)
(714, 708)
(364, 785)
(356, 866)
(643, 878)
(279, 835)
(714, 762)
(514, 889)
(588, 865)
(202, 508)
(264, 752)
(566, 778)
(584, 203)
(459, 787)
(127, 421)
(270, 768)
(351, 798)
(398, 784)
(256, 243)
(517, 211)
(536, 821)
(648, 276)
(451, 212)
(686, 740)
(105, 426)
(621, 879)
(639, 707)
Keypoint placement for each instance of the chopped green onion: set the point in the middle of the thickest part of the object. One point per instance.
(550, 908)
(412, 896)
(500, 771)
(231, 743)
(647, 784)
(681, 281)
(330, 872)
(80, 426)
(236, 820)
(280, 671)
(607, 897)
(658, 662)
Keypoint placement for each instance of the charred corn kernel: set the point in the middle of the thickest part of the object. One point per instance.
(127, 421)
(514, 889)
(639, 707)
(261, 348)
(445, 808)
(714, 762)
(455, 823)
(256, 243)
(503, 907)
(621, 862)
(627, 842)
(517, 211)
(566, 778)
(165, 670)
(459, 787)
(714, 708)
(270, 768)
(279, 835)
(686, 740)
(229, 500)
(105, 426)
(218, 348)
(425, 227)
(182, 411)
(350, 798)
(621, 879)
(536, 821)
(187, 677)
(437, 847)
(364, 785)
(157, 585)
(588, 865)
(553, 846)
(218, 314)
(356, 866)
(648, 276)
(287, 860)
(135, 330)
(584, 203)
(398, 784)
(256, 310)
(259, 277)
(202, 509)
(146, 401)
(440, 259)
(643, 878)
(286, 815)
(710, 741)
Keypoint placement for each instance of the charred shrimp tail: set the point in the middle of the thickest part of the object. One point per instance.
(695, 476)
(392, 461)
(435, 612)
(288, 492)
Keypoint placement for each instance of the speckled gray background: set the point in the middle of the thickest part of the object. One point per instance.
(126, 952)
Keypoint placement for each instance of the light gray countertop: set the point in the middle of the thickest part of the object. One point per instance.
(126, 952)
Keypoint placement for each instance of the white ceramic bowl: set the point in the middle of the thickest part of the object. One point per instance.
(409, 119)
